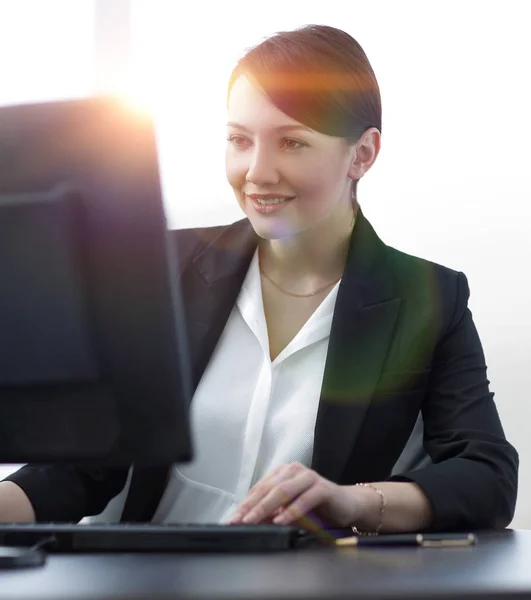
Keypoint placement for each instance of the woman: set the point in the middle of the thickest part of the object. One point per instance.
(319, 345)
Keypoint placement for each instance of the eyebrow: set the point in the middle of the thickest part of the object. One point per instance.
(281, 128)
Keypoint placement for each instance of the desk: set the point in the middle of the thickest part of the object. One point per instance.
(498, 567)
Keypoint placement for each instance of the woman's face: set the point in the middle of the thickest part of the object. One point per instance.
(286, 177)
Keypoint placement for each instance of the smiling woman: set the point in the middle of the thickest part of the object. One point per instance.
(315, 345)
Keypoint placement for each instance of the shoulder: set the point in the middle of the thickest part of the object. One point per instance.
(409, 277)
(409, 272)
(427, 288)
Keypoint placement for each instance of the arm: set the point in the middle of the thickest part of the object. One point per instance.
(58, 493)
(15, 506)
(473, 481)
(406, 508)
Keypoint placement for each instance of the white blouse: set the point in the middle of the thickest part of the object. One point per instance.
(249, 413)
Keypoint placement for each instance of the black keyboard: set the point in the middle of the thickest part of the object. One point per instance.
(59, 537)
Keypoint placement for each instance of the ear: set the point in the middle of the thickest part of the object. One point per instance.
(365, 153)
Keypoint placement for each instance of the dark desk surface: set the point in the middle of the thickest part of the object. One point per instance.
(498, 567)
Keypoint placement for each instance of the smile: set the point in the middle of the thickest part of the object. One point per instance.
(268, 204)
(266, 201)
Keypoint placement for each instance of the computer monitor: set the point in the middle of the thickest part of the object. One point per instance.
(93, 355)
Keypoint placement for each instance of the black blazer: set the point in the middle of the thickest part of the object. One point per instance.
(402, 341)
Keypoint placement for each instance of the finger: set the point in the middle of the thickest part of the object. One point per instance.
(270, 520)
(300, 510)
(278, 474)
(259, 491)
(282, 494)
(262, 489)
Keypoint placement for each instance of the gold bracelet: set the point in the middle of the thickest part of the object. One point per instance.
(382, 510)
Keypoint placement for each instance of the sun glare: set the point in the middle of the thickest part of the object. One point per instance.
(141, 84)
(135, 96)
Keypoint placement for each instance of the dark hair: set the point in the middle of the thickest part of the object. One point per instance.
(319, 76)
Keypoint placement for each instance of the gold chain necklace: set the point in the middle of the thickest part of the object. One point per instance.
(321, 289)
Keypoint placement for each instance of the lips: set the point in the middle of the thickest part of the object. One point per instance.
(268, 203)
(269, 198)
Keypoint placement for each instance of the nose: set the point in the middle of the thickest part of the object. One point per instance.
(262, 169)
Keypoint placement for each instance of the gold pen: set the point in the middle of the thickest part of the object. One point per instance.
(424, 540)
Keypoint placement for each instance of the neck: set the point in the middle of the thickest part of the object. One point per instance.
(315, 255)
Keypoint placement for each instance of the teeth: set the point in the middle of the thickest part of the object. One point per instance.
(271, 200)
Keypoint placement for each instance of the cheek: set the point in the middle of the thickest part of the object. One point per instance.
(318, 181)
(235, 170)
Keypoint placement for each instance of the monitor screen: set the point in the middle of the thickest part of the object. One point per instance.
(93, 354)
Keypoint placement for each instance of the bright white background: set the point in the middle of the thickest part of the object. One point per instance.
(46, 49)
(452, 183)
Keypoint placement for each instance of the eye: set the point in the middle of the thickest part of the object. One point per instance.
(239, 142)
(290, 144)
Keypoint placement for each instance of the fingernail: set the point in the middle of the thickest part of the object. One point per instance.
(280, 519)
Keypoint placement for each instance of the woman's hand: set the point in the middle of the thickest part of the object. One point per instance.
(291, 492)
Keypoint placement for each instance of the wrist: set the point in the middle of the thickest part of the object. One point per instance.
(371, 508)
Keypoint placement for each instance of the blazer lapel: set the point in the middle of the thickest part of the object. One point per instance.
(364, 319)
(211, 286)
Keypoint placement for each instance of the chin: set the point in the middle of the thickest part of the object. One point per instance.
(271, 228)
